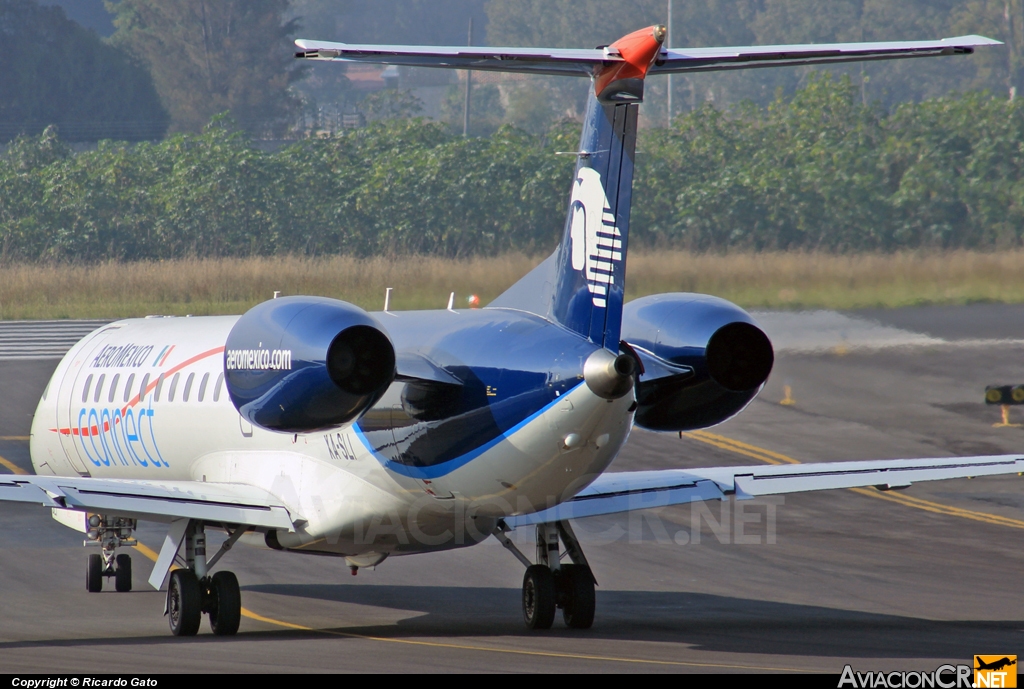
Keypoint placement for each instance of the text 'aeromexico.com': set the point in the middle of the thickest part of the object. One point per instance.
(259, 360)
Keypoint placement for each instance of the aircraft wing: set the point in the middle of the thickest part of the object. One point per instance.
(587, 62)
(625, 492)
(160, 501)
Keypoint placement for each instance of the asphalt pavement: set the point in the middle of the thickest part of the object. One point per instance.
(884, 581)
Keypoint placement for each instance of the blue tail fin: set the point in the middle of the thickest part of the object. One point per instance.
(582, 285)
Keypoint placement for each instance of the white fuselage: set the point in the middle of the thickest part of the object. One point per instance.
(145, 399)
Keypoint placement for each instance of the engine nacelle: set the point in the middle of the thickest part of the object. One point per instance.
(709, 360)
(303, 364)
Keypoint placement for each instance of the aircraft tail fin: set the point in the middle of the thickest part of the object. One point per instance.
(591, 260)
(582, 285)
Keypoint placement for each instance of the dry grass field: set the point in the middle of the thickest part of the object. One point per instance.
(768, 280)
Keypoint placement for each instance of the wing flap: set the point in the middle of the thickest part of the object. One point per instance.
(599, 503)
(887, 475)
(154, 501)
(20, 491)
(629, 491)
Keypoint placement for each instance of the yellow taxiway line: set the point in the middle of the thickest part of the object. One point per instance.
(15, 469)
(151, 554)
(769, 457)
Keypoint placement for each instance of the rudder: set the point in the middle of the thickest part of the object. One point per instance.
(582, 286)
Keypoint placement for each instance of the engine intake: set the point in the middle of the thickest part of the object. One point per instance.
(304, 364)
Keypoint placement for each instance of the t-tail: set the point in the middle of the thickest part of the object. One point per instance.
(582, 284)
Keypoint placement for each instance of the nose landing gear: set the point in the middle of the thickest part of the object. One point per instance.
(550, 585)
(109, 533)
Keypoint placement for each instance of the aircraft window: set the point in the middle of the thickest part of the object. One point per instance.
(174, 386)
(142, 388)
(216, 390)
(99, 389)
(85, 392)
(46, 390)
(128, 387)
(113, 388)
(159, 387)
(188, 386)
(202, 386)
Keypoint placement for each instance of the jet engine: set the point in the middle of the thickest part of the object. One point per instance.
(303, 364)
(704, 360)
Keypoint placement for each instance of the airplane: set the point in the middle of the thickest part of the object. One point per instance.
(311, 426)
(995, 665)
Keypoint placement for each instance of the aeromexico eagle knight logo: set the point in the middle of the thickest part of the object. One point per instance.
(596, 241)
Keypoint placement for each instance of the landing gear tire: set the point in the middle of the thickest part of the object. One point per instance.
(539, 597)
(184, 603)
(224, 603)
(123, 573)
(577, 584)
(94, 573)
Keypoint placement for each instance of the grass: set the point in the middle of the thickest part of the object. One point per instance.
(768, 280)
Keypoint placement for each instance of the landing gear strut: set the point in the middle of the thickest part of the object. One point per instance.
(109, 533)
(549, 584)
(192, 591)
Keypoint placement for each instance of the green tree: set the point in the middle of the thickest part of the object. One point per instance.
(393, 22)
(486, 113)
(52, 71)
(1004, 20)
(210, 57)
(391, 104)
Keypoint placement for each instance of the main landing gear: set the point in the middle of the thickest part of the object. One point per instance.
(193, 591)
(109, 533)
(549, 584)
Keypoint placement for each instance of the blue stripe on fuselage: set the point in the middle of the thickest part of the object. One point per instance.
(439, 470)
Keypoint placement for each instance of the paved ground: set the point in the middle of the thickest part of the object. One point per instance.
(883, 581)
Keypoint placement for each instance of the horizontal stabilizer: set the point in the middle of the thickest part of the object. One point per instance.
(588, 62)
(677, 61)
(630, 491)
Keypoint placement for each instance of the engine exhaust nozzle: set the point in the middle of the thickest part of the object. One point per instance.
(608, 375)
